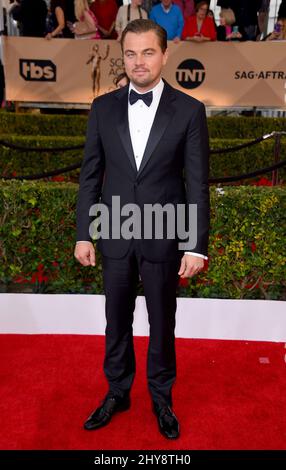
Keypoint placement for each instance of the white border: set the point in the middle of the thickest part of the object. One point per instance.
(257, 320)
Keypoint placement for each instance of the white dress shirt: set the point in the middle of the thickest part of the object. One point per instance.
(141, 117)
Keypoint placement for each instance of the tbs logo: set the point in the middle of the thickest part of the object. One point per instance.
(38, 70)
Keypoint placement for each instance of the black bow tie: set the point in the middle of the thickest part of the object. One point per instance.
(146, 97)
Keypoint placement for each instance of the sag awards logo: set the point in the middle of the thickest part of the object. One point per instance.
(190, 74)
(34, 70)
(95, 59)
(97, 56)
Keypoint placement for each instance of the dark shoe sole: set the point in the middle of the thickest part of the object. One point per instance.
(169, 437)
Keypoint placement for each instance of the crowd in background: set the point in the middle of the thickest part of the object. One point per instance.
(188, 20)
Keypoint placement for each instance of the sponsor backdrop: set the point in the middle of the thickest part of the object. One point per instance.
(219, 74)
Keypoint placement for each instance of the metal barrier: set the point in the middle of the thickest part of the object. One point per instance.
(228, 179)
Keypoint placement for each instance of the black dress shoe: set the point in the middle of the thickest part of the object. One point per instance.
(167, 420)
(103, 414)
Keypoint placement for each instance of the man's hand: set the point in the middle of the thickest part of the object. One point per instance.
(190, 266)
(85, 253)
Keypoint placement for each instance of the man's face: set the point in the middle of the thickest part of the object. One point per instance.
(143, 59)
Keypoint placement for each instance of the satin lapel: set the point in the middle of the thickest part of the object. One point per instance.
(123, 126)
(162, 118)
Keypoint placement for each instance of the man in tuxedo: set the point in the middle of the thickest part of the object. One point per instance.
(147, 143)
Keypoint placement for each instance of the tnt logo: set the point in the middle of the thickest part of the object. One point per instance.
(190, 74)
(38, 70)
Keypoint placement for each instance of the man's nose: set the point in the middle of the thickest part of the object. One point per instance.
(139, 60)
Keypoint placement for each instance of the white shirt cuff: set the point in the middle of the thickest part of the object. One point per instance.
(195, 254)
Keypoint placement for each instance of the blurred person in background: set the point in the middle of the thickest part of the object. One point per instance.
(246, 13)
(14, 14)
(31, 15)
(170, 17)
(200, 27)
(211, 15)
(69, 15)
(11, 27)
(187, 7)
(225, 31)
(121, 80)
(105, 12)
(279, 32)
(263, 15)
(56, 20)
(282, 9)
(127, 13)
(86, 26)
(148, 5)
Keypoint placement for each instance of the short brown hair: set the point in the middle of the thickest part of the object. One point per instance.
(143, 26)
(200, 4)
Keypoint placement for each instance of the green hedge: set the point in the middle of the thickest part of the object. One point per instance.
(247, 245)
(25, 163)
(66, 125)
(243, 127)
(245, 160)
(40, 124)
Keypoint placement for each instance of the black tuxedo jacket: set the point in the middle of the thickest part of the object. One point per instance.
(174, 168)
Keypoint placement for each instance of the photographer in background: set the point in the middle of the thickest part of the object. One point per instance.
(279, 32)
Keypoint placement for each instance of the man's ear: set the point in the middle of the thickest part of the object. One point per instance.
(166, 56)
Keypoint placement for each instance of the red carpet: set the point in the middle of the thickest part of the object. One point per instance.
(229, 395)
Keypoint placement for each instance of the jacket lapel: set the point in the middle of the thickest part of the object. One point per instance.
(162, 118)
(123, 125)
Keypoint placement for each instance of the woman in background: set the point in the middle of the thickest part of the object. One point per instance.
(200, 27)
(225, 32)
(57, 20)
(121, 80)
(105, 12)
(86, 26)
(279, 33)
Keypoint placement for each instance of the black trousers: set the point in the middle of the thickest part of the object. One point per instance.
(160, 282)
